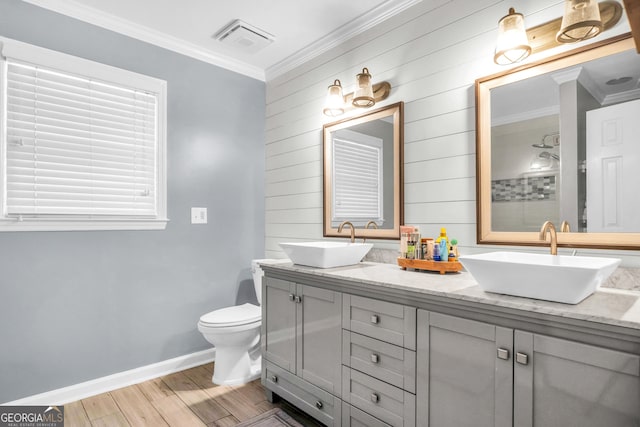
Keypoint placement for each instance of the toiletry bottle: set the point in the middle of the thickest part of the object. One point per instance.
(404, 237)
(411, 249)
(444, 250)
(454, 248)
(444, 244)
(436, 252)
(429, 254)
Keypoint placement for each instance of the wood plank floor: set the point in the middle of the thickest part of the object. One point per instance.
(183, 399)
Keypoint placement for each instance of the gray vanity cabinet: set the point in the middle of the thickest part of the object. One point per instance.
(464, 372)
(565, 383)
(471, 373)
(301, 346)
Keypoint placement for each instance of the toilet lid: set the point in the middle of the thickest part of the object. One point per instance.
(233, 316)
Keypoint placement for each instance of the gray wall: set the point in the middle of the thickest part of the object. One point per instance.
(76, 306)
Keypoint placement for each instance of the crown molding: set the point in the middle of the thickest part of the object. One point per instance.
(357, 26)
(110, 22)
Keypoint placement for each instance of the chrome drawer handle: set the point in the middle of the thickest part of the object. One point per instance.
(503, 354)
(375, 358)
(522, 358)
(375, 398)
(319, 405)
(375, 319)
(298, 299)
(274, 378)
(291, 297)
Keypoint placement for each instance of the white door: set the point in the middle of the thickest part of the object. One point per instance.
(613, 168)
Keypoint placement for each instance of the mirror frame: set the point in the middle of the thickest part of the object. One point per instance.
(397, 112)
(483, 151)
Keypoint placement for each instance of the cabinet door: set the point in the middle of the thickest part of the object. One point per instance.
(465, 372)
(565, 383)
(279, 323)
(319, 337)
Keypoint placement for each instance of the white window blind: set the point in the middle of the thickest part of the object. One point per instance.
(78, 146)
(357, 180)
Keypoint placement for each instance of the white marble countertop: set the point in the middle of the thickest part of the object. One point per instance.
(610, 306)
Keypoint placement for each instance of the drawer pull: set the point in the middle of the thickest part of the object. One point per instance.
(375, 358)
(375, 319)
(274, 378)
(298, 299)
(291, 297)
(503, 354)
(522, 358)
(375, 398)
(319, 405)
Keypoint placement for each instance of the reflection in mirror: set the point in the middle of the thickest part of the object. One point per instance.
(560, 141)
(362, 173)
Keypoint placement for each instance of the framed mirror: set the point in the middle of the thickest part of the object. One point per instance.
(363, 174)
(559, 140)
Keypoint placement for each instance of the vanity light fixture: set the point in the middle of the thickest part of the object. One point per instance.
(512, 45)
(334, 105)
(582, 19)
(363, 97)
(366, 95)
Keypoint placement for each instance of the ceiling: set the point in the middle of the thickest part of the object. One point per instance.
(301, 29)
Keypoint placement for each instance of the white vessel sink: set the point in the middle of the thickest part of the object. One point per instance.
(559, 278)
(326, 254)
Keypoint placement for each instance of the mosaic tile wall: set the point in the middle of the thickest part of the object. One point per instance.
(524, 189)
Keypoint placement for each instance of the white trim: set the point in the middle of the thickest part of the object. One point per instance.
(86, 389)
(128, 28)
(79, 224)
(359, 25)
(526, 115)
(74, 65)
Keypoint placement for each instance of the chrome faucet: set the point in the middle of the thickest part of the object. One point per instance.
(353, 230)
(565, 227)
(372, 222)
(549, 227)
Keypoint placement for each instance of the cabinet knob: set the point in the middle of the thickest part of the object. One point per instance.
(375, 398)
(319, 404)
(298, 299)
(503, 354)
(375, 358)
(291, 297)
(522, 358)
(274, 378)
(375, 319)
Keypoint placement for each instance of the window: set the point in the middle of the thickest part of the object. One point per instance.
(357, 180)
(83, 144)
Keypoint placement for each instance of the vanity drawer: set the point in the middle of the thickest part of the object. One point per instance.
(387, 362)
(386, 321)
(354, 417)
(389, 404)
(316, 402)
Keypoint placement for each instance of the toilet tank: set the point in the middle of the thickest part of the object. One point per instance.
(257, 273)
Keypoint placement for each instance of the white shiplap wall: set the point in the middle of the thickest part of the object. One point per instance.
(431, 54)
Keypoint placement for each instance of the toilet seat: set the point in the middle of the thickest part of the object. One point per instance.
(236, 315)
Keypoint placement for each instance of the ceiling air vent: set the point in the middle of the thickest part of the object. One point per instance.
(244, 37)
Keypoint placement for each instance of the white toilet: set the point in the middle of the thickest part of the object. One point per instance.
(235, 333)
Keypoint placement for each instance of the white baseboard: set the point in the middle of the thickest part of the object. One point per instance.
(115, 381)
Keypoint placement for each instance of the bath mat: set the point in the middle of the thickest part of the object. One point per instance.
(274, 418)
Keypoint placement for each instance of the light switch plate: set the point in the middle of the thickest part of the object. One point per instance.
(198, 215)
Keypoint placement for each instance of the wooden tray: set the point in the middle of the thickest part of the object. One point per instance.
(424, 264)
